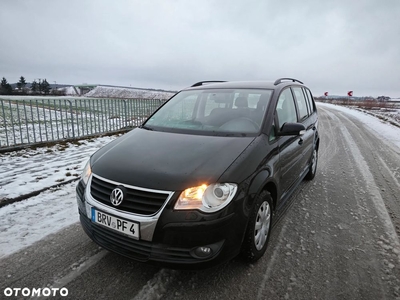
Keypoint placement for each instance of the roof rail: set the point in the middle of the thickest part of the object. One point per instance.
(280, 80)
(200, 83)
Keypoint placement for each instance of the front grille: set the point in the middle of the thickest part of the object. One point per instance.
(136, 201)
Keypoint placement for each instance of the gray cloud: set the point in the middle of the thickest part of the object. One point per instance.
(332, 46)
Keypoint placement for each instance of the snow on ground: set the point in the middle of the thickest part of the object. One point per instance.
(26, 171)
(31, 220)
(22, 172)
(381, 128)
(28, 221)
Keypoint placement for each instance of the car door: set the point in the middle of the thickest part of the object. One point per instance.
(290, 147)
(307, 138)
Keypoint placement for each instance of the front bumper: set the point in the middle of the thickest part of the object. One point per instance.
(176, 238)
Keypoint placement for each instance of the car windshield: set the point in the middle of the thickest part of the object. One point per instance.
(238, 112)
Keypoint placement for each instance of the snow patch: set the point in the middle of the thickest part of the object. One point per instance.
(29, 170)
(29, 221)
(156, 287)
(70, 90)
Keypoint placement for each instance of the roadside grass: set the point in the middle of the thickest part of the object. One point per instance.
(364, 104)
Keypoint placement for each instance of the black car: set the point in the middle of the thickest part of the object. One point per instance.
(200, 181)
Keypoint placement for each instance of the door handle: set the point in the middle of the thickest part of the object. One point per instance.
(300, 141)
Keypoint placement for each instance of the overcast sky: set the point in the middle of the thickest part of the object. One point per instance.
(333, 46)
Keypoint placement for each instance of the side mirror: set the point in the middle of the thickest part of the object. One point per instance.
(292, 129)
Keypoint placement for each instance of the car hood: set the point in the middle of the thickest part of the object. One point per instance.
(167, 161)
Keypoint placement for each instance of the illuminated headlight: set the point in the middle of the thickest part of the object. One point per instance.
(209, 198)
(87, 171)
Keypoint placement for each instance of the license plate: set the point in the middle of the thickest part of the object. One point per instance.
(124, 226)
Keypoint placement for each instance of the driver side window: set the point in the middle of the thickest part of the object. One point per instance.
(285, 108)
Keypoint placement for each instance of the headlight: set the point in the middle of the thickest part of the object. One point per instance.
(209, 198)
(87, 171)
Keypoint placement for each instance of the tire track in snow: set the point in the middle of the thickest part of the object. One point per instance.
(326, 129)
(376, 155)
(77, 271)
(277, 249)
(363, 167)
(157, 286)
(374, 190)
(378, 159)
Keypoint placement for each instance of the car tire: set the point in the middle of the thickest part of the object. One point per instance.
(258, 229)
(313, 165)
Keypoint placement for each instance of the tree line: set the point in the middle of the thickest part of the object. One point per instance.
(41, 87)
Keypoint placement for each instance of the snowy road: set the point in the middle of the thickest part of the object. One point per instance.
(338, 240)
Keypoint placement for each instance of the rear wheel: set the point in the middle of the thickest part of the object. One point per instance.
(258, 229)
(313, 165)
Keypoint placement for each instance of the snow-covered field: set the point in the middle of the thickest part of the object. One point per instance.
(391, 115)
(22, 172)
(120, 92)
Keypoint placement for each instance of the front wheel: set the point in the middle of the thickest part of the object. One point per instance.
(313, 165)
(258, 229)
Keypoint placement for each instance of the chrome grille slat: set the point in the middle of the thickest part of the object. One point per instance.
(136, 201)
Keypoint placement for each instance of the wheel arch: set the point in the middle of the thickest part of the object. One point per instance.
(264, 182)
(272, 189)
(316, 139)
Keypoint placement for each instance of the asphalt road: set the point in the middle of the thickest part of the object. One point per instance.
(339, 239)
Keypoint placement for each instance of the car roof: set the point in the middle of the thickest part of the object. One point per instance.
(244, 84)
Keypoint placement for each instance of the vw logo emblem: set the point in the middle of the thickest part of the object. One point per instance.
(116, 197)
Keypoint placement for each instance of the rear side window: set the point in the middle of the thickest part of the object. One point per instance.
(285, 108)
(310, 101)
(301, 102)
